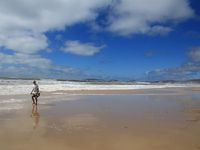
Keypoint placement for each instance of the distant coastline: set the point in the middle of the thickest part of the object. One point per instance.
(99, 81)
(18, 78)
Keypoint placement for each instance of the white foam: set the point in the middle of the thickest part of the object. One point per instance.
(15, 87)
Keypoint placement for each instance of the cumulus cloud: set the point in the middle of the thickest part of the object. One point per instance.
(26, 65)
(25, 59)
(147, 16)
(24, 22)
(24, 43)
(23, 28)
(84, 49)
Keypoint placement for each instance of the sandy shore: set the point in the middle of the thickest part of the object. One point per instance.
(159, 119)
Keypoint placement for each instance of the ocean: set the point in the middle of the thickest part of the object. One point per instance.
(19, 86)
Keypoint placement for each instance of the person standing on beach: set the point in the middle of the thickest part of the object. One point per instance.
(35, 93)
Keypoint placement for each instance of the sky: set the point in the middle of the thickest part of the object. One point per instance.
(104, 39)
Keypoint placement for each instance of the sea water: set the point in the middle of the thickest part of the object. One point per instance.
(18, 86)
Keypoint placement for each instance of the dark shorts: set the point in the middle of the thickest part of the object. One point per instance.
(36, 95)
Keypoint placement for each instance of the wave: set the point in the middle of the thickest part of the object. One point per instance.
(15, 87)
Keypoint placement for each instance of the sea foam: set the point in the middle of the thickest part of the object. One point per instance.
(15, 87)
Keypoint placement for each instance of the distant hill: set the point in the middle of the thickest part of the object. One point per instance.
(10, 78)
(113, 81)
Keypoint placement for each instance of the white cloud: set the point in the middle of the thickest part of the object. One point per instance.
(24, 43)
(24, 22)
(145, 16)
(25, 59)
(26, 65)
(84, 49)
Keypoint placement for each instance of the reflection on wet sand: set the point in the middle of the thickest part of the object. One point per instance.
(36, 116)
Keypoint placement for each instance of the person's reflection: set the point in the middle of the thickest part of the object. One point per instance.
(36, 116)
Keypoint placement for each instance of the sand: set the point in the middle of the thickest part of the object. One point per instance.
(159, 119)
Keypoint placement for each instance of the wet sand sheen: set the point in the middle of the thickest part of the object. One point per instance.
(109, 122)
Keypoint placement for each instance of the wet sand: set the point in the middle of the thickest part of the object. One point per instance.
(159, 119)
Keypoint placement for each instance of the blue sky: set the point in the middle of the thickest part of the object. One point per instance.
(109, 39)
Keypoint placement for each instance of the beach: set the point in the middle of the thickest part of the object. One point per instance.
(145, 119)
(100, 75)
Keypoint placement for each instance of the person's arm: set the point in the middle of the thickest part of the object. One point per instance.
(32, 90)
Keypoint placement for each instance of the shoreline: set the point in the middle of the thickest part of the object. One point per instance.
(25, 88)
(116, 91)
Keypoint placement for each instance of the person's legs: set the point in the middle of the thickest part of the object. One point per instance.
(36, 100)
(33, 99)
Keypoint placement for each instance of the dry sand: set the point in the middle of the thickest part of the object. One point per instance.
(159, 119)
